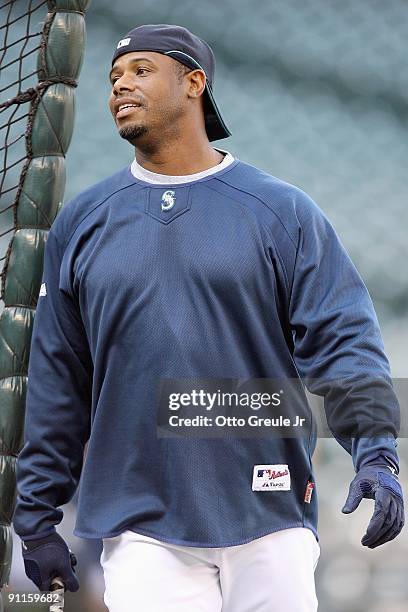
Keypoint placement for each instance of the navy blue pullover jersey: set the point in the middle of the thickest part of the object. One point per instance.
(244, 277)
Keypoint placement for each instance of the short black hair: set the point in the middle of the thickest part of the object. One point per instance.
(180, 70)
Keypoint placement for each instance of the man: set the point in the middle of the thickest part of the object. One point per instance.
(192, 264)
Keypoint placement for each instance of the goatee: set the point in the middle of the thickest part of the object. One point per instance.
(132, 132)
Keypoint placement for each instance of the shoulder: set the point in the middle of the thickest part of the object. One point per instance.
(272, 198)
(76, 209)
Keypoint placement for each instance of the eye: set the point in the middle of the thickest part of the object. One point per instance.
(139, 70)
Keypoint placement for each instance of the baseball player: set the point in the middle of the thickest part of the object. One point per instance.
(192, 264)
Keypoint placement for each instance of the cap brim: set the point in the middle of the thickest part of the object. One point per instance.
(214, 123)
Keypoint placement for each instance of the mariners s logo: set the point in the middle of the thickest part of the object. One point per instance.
(168, 199)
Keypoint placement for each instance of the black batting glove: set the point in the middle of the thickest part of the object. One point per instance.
(378, 482)
(47, 558)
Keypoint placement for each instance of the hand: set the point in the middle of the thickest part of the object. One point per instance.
(378, 482)
(48, 557)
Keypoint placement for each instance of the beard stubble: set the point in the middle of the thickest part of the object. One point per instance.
(132, 132)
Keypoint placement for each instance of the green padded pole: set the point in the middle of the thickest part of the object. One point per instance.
(39, 199)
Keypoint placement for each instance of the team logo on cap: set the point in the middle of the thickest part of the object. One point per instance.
(168, 199)
(123, 42)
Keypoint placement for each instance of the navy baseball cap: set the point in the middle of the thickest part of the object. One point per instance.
(187, 48)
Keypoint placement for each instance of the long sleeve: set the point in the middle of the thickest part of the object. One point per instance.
(58, 405)
(338, 349)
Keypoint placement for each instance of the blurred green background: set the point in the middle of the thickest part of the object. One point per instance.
(316, 93)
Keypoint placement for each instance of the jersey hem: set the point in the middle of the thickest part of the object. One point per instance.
(177, 541)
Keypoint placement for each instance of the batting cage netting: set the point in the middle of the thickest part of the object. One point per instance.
(42, 45)
(21, 41)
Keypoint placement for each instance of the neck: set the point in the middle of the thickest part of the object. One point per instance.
(188, 156)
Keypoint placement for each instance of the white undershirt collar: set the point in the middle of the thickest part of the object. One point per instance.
(153, 177)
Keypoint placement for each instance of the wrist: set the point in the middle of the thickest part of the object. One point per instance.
(382, 461)
(37, 536)
(53, 538)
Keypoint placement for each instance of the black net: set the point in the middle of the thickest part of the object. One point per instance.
(23, 36)
(24, 32)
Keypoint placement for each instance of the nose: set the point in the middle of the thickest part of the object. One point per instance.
(123, 83)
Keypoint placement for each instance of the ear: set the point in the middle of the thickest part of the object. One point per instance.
(196, 83)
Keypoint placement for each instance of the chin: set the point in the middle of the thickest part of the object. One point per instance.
(132, 132)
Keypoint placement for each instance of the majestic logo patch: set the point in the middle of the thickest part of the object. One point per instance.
(43, 290)
(123, 42)
(168, 200)
(271, 478)
(309, 491)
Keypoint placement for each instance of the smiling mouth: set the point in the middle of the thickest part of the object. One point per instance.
(126, 111)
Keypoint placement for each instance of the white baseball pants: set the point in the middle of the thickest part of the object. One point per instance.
(274, 573)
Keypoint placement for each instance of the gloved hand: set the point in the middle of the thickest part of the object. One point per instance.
(378, 482)
(46, 558)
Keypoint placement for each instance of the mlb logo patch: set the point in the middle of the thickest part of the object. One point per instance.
(275, 477)
(123, 42)
(43, 289)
